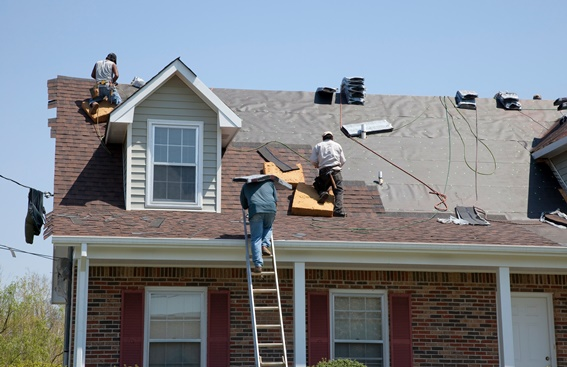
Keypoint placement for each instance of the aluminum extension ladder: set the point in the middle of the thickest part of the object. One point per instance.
(265, 309)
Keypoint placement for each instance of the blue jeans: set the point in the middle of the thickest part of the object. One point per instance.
(104, 91)
(260, 234)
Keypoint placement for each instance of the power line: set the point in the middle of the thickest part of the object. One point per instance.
(14, 250)
(47, 194)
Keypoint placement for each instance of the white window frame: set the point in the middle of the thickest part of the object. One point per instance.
(383, 296)
(170, 291)
(150, 201)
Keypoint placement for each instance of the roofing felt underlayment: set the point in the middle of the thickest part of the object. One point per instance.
(431, 140)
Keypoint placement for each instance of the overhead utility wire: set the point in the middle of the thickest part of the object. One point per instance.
(441, 196)
(47, 194)
(14, 250)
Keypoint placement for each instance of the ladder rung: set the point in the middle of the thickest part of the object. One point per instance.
(265, 290)
(269, 272)
(270, 345)
(268, 326)
(283, 364)
(266, 308)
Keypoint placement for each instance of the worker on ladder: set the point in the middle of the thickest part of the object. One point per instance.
(261, 199)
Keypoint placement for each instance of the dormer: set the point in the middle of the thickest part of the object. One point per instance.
(173, 131)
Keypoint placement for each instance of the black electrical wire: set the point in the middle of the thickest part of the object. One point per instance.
(47, 194)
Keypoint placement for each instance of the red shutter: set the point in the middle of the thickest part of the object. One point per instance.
(400, 330)
(218, 329)
(318, 339)
(132, 328)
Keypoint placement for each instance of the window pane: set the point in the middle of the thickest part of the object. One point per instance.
(175, 136)
(368, 354)
(175, 183)
(175, 354)
(174, 152)
(190, 137)
(158, 330)
(161, 136)
(189, 155)
(160, 153)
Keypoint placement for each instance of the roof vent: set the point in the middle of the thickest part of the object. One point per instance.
(561, 103)
(324, 95)
(508, 101)
(353, 90)
(466, 99)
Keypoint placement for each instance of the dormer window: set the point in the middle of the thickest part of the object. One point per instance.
(174, 164)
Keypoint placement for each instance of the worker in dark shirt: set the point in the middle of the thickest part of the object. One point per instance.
(260, 198)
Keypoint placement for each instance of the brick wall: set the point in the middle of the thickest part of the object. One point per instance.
(453, 314)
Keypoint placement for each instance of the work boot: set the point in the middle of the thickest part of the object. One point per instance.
(257, 270)
(266, 251)
(323, 197)
(339, 214)
(94, 108)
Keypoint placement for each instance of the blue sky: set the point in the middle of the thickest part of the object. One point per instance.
(412, 47)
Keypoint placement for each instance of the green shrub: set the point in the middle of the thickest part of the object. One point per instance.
(339, 363)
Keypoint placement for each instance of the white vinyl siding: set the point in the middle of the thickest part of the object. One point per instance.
(174, 101)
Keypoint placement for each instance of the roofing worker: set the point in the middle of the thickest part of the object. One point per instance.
(105, 72)
(261, 200)
(328, 157)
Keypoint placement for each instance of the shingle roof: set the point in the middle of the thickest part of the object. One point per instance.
(555, 133)
(89, 189)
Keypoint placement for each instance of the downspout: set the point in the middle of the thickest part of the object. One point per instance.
(68, 298)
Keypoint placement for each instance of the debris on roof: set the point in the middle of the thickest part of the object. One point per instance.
(370, 127)
(353, 90)
(466, 99)
(270, 157)
(466, 215)
(508, 101)
(471, 215)
(555, 218)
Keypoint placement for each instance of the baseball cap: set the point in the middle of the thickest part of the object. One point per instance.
(327, 133)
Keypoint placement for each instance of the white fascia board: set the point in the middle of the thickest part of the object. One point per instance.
(125, 112)
(552, 149)
(362, 255)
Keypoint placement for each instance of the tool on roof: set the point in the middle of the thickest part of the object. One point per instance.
(265, 300)
(466, 99)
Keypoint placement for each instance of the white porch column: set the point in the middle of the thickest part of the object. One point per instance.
(299, 309)
(504, 315)
(81, 308)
